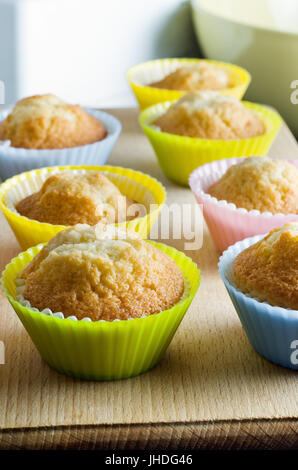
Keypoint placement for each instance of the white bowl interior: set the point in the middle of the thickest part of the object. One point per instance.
(278, 15)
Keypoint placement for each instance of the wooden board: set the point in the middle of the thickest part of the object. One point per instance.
(210, 390)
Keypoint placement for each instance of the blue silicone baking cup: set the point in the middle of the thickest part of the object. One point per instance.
(271, 330)
(18, 160)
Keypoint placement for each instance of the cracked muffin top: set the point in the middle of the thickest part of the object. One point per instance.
(210, 115)
(260, 183)
(268, 270)
(47, 122)
(66, 198)
(102, 273)
(192, 77)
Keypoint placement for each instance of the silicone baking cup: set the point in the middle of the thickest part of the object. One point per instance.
(272, 331)
(140, 76)
(140, 187)
(227, 223)
(102, 350)
(178, 156)
(17, 160)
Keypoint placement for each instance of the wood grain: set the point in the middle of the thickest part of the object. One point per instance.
(210, 390)
(227, 435)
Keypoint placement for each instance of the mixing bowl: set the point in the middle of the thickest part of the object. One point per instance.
(260, 35)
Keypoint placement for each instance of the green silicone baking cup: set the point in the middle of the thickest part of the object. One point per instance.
(179, 156)
(102, 350)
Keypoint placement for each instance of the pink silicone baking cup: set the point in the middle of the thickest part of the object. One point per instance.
(227, 223)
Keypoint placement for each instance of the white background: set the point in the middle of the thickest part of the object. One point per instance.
(81, 49)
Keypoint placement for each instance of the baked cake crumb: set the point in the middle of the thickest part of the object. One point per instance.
(47, 122)
(268, 270)
(192, 77)
(66, 198)
(260, 183)
(102, 273)
(210, 115)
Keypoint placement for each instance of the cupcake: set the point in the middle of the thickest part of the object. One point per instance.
(44, 130)
(69, 199)
(247, 197)
(40, 203)
(163, 80)
(47, 122)
(192, 77)
(260, 274)
(201, 126)
(260, 184)
(210, 115)
(98, 302)
(103, 274)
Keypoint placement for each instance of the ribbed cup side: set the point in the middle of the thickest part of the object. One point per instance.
(140, 76)
(271, 330)
(102, 350)
(17, 160)
(228, 224)
(139, 186)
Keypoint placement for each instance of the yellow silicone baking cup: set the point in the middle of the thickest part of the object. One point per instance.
(179, 156)
(132, 183)
(102, 350)
(148, 72)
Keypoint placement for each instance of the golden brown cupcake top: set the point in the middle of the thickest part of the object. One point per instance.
(102, 273)
(268, 270)
(192, 77)
(210, 115)
(47, 122)
(260, 183)
(66, 198)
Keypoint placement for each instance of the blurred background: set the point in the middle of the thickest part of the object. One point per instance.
(81, 49)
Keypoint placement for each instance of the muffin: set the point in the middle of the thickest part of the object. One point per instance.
(268, 270)
(47, 122)
(102, 273)
(199, 76)
(260, 275)
(66, 198)
(260, 184)
(162, 80)
(206, 126)
(108, 275)
(210, 115)
(258, 201)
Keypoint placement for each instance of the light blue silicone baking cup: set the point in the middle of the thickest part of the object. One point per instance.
(17, 160)
(272, 331)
